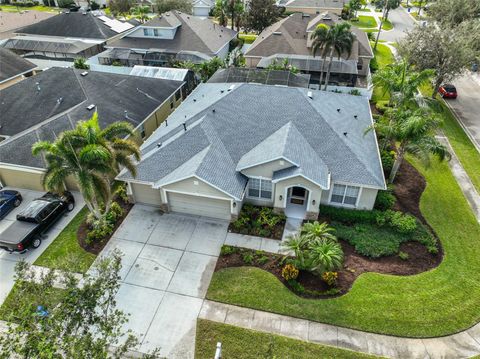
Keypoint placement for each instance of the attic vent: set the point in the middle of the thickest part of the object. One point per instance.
(59, 100)
(38, 86)
(355, 117)
(305, 15)
(338, 110)
(231, 87)
(345, 134)
(84, 73)
(277, 32)
(326, 17)
(184, 126)
(310, 94)
(159, 145)
(90, 107)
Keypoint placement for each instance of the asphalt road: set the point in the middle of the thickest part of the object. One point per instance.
(467, 105)
(401, 21)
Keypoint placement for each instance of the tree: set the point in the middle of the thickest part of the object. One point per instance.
(120, 7)
(81, 63)
(320, 38)
(339, 40)
(170, 5)
(387, 5)
(414, 132)
(401, 82)
(220, 11)
(141, 13)
(260, 15)
(83, 321)
(454, 12)
(93, 157)
(283, 66)
(355, 5)
(448, 53)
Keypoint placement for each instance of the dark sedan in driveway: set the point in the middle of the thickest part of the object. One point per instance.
(9, 199)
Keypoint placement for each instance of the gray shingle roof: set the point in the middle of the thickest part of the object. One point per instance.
(230, 127)
(194, 34)
(319, 4)
(12, 65)
(30, 114)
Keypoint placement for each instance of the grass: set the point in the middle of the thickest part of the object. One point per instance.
(387, 25)
(247, 38)
(65, 250)
(439, 302)
(383, 56)
(242, 343)
(13, 8)
(365, 22)
(29, 295)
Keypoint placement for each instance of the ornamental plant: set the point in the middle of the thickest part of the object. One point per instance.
(289, 272)
(330, 278)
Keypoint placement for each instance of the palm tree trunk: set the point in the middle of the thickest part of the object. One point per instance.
(380, 28)
(438, 82)
(396, 164)
(324, 58)
(327, 77)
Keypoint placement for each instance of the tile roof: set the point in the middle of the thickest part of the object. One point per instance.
(194, 34)
(12, 65)
(42, 106)
(232, 126)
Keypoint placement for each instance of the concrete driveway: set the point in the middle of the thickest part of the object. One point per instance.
(8, 260)
(167, 266)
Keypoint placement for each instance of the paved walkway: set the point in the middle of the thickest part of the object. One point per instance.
(463, 180)
(461, 345)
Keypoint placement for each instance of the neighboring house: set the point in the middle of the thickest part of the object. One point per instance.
(290, 38)
(11, 21)
(313, 6)
(67, 36)
(43, 106)
(170, 36)
(202, 7)
(260, 76)
(13, 68)
(283, 147)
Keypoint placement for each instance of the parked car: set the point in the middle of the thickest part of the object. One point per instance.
(34, 220)
(448, 91)
(9, 199)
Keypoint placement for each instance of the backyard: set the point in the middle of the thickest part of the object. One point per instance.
(364, 22)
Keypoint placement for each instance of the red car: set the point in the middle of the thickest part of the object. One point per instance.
(448, 91)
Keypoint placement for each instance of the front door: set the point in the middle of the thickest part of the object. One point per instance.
(298, 195)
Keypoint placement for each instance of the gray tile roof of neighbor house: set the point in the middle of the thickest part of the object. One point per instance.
(12, 65)
(73, 24)
(42, 106)
(318, 4)
(193, 34)
(230, 127)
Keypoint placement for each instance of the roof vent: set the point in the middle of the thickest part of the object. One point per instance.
(38, 86)
(355, 117)
(184, 126)
(231, 88)
(159, 145)
(338, 110)
(194, 100)
(305, 15)
(277, 32)
(213, 110)
(84, 73)
(222, 91)
(345, 134)
(310, 94)
(90, 107)
(59, 100)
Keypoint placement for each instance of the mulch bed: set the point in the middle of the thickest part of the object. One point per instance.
(277, 231)
(97, 247)
(410, 185)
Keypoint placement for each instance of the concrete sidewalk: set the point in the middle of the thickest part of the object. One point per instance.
(460, 345)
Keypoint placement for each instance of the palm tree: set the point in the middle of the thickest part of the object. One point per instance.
(317, 230)
(221, 12)
(414, 133)
(320, 38)
(326, 255)
(141, 13)
(93, 157)
(401, 82)
(339, 40)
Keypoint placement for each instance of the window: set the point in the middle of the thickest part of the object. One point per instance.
(177, 95)
(172, 104)
(155, 32)
(260, 188)
(345, 194)
(142, 131)
(145, 32)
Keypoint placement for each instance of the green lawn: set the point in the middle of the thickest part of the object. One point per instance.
(365, 22)
(383, 56)
(65, 250)
(242, 343)
(247, 38)
(439, 302)
(387, 25)
(12, 8)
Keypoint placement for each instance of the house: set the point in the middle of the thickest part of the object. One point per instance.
(288, 148)
(42, 106)
(260, 76)
(202, 7)
(313, 6)
(168, 37)
(66, 36)
(13, 68)
(290, 39)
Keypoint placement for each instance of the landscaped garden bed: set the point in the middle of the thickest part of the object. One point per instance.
(259, 221)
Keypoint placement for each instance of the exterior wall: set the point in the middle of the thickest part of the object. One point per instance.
(163, 33)
(71, 184)
(266, 170)
(11, 82)
(252, 61)
(365, 66)
(223, 52)
(188, 186)
(143, 193)
(201, 11)
(365, 201)
(315, 193)
(313, 10)
(21, 177)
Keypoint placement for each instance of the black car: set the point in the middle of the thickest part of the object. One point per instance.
(34, 220)
(9, 199)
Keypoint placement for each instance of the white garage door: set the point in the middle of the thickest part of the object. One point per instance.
(200, 206)
(145, 194)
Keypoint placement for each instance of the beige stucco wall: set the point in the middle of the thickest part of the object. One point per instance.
(252, 61)
(266, 170)
(366, 200)
(21, 177)
(365, 67)
(201, 188)
(313, 10)
(315, 192)
(143, 193)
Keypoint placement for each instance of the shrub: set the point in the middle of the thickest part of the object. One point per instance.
(388, 158)
(289, 271)
(385, 200)
(94, 5)
(382, 106)
(114, 213)
(65, 3)
(100, 230)
(348, 215)
(81, 63)
(330, 278)
(247, 258)
(296, 287)
(257, 221)
(262, 259)
(121, 192)
(403, 255)
(227, 250)
(403, 223)
(373, 64)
